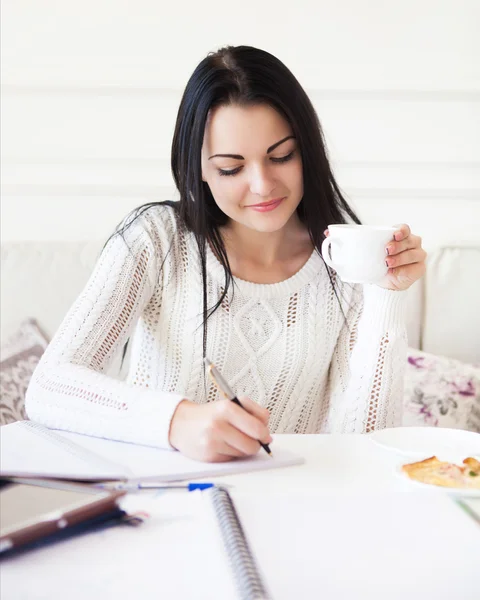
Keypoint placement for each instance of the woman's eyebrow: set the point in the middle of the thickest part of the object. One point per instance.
(240, 157)
(272, 148)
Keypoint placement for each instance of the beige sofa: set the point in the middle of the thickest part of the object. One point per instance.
(42, 279)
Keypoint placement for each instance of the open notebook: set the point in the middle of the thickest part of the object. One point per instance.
(290, 545)
(32, 450)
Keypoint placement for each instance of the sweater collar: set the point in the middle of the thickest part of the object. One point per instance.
(304, 276)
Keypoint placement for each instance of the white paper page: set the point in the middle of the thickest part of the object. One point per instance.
(30, 450)
(419, 546)
(176, 555)
(142, 462)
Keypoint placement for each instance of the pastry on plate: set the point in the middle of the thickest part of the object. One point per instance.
(446, 474)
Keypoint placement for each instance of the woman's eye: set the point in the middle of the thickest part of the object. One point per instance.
(280, 159)
(283, 159)
(227, 172)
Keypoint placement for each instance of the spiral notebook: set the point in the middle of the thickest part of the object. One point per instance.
(248, 579)
(290, 544)
(28, 449)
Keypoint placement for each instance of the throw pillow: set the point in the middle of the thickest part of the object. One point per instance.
(18, 358)
(441, 392)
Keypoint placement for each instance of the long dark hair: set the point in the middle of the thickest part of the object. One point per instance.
(245, 76)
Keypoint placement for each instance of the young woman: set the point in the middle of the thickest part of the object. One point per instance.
(233, 272)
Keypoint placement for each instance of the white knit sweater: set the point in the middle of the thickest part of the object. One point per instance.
(285, 345)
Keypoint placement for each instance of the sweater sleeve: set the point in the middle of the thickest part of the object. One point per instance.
(368, 364)
(69, 389)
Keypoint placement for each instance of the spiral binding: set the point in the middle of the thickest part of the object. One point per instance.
(247, 576)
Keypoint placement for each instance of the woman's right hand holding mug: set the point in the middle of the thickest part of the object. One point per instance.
(219, 431)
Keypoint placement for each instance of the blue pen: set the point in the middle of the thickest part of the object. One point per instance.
(132, 487)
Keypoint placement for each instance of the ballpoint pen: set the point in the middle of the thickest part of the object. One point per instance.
(227, 392)
(152, 485)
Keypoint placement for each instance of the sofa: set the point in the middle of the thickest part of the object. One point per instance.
(40, 280)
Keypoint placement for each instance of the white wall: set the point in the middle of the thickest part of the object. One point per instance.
(91, 89)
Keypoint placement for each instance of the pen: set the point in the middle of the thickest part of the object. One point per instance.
(226, 391)
(133, 487)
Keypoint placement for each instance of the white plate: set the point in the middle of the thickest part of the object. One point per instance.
(423, 442)
(465, 492)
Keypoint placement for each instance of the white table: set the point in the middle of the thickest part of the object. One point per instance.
(333, 464)
(343, 525)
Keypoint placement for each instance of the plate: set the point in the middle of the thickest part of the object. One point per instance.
(423, 442)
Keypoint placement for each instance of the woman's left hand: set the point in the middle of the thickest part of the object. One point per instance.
(405, 259)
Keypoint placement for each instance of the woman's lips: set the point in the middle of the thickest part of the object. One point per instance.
(267, 206)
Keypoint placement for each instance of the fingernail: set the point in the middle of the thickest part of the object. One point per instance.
(386, 263)
(387, 251)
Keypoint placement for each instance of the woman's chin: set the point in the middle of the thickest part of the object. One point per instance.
(263, 222)
(269, 222)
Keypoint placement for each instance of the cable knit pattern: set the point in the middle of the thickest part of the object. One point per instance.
(286, 345)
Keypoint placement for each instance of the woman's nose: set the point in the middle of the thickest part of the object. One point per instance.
(261, 182)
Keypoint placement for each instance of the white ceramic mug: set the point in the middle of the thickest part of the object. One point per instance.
(357, 252)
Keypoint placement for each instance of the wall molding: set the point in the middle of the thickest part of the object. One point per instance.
(156, 192)
(470, 94)
(155, 161)
(43, 176)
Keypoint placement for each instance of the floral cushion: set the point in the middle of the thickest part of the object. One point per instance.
(18, 358)
(441, 392)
